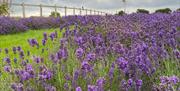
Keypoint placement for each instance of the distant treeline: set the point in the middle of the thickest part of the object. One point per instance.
(165, 10)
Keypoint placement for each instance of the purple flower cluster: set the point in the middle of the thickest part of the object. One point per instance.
(9, 25)
(79, 53)
(122, 63)
(7, 68)
(168, 83)
(25, 74)
(169, 80)
(41, 22)
(17, 86)
(101, 53)
(45, 73)
(78, 89)
(12, 25)
(138, 43)
(33, 42)
(130, 84)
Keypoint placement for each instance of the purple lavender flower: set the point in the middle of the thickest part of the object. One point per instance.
(79, 53)
(78, 89)
(98, 39)
(29, 68)
(38, 59)
(122, 63)
(111, 73)
(86, 66)
(33, 42)
(17, 86)
(177, 54)
(76, 75)
(92, 88)
(67, 77)
(45, 36)
(91, 56)
(167, 80)
(7, 60)
(17, 71)
(64, 53)
(75, 78)
(58, 56)
(19, 48)
(7, 68)
(53, 58)
(124, 84)
(21, 54)
(164, 79)
(43, 42)
(130, 82)
(14, 50)
(113, 65)
(52, 36)
(139, 83)
(66, 86)
(100, 83)
(174, 79)
(50, 88)
(23, 63)
(24, 75)
(63, 42)
(79, 40)
(45, 74)
(29, 89)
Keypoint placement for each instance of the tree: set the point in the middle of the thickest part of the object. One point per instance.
(166, 10)
(55, 14)
(120, 13)
(3, 9)
(142, 11)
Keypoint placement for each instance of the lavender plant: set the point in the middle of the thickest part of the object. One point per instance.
(133, 52)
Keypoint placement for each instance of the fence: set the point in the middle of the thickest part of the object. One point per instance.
(55, 7)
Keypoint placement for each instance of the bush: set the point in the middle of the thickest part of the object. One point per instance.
(55, 14)
(41, 22)
(13, 25)
(3, 9)
(142, 11)
(166, 10)
(121, 13)
(10, 25)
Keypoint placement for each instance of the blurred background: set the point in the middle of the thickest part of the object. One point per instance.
(108, 6)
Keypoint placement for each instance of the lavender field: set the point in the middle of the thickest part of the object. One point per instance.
(134, 52)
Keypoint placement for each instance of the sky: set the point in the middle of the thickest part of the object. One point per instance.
(109, 6)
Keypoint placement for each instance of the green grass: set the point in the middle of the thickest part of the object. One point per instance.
(20, 39)
(8, 41)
